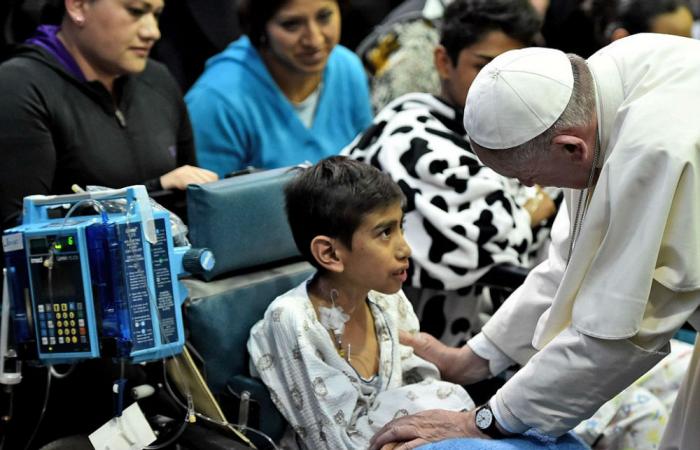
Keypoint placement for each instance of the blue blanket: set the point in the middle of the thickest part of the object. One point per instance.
(529, 441)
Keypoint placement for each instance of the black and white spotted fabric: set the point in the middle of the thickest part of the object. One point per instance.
(461, 217)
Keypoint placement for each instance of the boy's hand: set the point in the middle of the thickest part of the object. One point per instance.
(541, 207)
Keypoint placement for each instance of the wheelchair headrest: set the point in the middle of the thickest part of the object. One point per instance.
(241, 220)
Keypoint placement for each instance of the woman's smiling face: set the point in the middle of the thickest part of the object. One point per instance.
(302, 34)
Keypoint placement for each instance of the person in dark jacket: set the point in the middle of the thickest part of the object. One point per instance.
(82, 104)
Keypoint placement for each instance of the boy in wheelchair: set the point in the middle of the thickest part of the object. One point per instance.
(328, 350)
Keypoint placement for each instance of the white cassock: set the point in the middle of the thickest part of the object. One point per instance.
(587, 329)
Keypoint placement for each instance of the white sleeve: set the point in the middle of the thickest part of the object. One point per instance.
(575, 374)
(512, 327)
(590, 372)
(483, 347)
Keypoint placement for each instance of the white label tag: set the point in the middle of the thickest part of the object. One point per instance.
(128, 432)
(12, 242)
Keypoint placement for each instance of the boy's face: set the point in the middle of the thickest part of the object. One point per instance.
(379, 257)
(458, 78)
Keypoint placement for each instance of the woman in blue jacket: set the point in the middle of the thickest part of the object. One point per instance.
(282, 94)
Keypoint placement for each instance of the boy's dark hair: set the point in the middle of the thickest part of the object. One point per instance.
(466, 22)
(332, 197)
(255, 14)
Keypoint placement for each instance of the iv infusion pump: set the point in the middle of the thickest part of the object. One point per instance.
(101, 285)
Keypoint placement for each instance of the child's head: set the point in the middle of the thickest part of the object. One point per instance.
(332, 197)
(472, 33)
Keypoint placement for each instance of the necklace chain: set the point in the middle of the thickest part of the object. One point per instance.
(582, 208)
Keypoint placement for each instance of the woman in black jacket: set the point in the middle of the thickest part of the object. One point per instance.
(82, 104)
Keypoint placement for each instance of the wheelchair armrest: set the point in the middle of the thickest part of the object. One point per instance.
(272, 423)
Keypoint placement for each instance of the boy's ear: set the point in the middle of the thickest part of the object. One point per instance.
(442, 61)
(325, 252)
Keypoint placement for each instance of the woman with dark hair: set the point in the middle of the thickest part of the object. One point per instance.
(83, 104)
(282, 94)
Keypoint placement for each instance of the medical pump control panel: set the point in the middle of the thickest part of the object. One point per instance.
(101, 285)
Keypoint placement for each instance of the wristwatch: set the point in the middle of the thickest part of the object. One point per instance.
(486, 422)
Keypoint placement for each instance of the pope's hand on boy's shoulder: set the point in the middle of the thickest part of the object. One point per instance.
(433, 425)
(456, 365)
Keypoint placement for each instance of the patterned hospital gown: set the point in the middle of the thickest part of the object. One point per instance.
(327, 404)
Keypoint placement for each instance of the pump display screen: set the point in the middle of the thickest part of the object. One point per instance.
(60, 244)
(64, 244)
(57, 286)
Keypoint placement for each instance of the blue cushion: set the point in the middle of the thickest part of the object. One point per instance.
(686, 335)
(529, 441)
(220, 324)
(241, 220)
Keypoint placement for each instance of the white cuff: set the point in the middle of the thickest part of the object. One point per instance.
(483, 347)
(505, 418)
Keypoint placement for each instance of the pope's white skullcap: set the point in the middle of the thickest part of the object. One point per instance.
(517, 96)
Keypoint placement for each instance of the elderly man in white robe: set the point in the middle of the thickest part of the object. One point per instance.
(623, 273)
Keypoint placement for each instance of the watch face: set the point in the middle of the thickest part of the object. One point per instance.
(484, 417)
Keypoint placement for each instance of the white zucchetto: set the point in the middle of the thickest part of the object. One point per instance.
(517, 96)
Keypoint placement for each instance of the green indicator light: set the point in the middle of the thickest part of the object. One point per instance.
(57, 246)
(70, 240)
